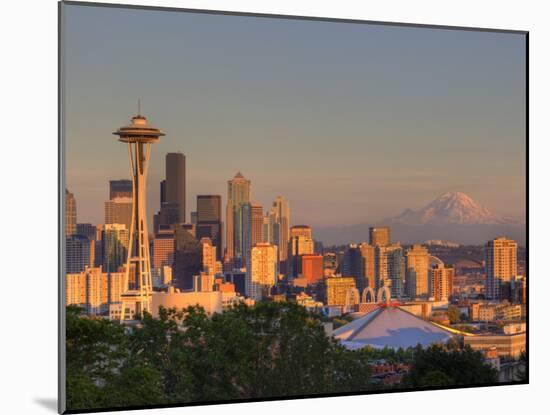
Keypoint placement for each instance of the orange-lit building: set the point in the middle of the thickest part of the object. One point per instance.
(312, 268)
(442, 282)
(163, 249)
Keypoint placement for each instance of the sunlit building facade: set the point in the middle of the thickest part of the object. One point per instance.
(441, 282)
(119, 210)
(501, 264)
(70, 213)
(263, 270)
(379, 235)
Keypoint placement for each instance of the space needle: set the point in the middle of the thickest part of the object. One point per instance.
(136, 297)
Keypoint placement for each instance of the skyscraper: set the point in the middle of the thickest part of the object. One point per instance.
(271, 228)
(119, 210)
(209, 221)
(353, 266)
(417, 272)
(281, 212)
(163, 251)
(261, 275)
(114, 243)
(300, 244)
(389, 268)
(312, 268)
(301, 230)
(369, 268)
(70, 213)
(379, 235)
(172, 193)
(501, 264)
(256, 219)
(79, 253)
(187, 257)
(175, 183)
(208, 256)
(238, 191)
(120, 188)
(87, 229)
(250, 221)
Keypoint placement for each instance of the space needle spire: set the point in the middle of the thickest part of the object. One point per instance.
(139, 136)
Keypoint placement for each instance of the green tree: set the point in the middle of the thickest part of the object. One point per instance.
(461, 366)
(271, 349)
(99, 371)
(522, 372)
(435, 378)
(453, 312)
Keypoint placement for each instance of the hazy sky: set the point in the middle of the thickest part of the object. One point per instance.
(350, 122)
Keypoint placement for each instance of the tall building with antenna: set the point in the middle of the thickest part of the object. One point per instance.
(139, 136)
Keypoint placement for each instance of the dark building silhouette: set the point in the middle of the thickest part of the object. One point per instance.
(187, 257)
(120, 188)
(79, 253)
(209, 221)
(172, 193)
(175, 183)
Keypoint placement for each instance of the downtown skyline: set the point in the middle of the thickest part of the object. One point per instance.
(367, 145)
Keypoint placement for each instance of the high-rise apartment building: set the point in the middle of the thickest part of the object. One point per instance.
(501, 264)
(379, 235)
(417, 272)
(281, 214)
(209, 221)
(441, 282)
(389, 268)
(94, 290)
(70, 213)
(262, 273)
(120, 188)
(238, 192)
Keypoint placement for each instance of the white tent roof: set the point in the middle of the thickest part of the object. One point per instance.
(390, 327)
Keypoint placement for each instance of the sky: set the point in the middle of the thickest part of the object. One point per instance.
(351, 123)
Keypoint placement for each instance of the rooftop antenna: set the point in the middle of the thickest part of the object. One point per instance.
(139, 106)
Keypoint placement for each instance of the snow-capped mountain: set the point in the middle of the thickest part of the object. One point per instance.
(453, 216)
(451, 208)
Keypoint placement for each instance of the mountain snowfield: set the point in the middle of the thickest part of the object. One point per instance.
(451, 208)
(453, 216)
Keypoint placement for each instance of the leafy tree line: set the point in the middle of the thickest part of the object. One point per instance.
(271, 349)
